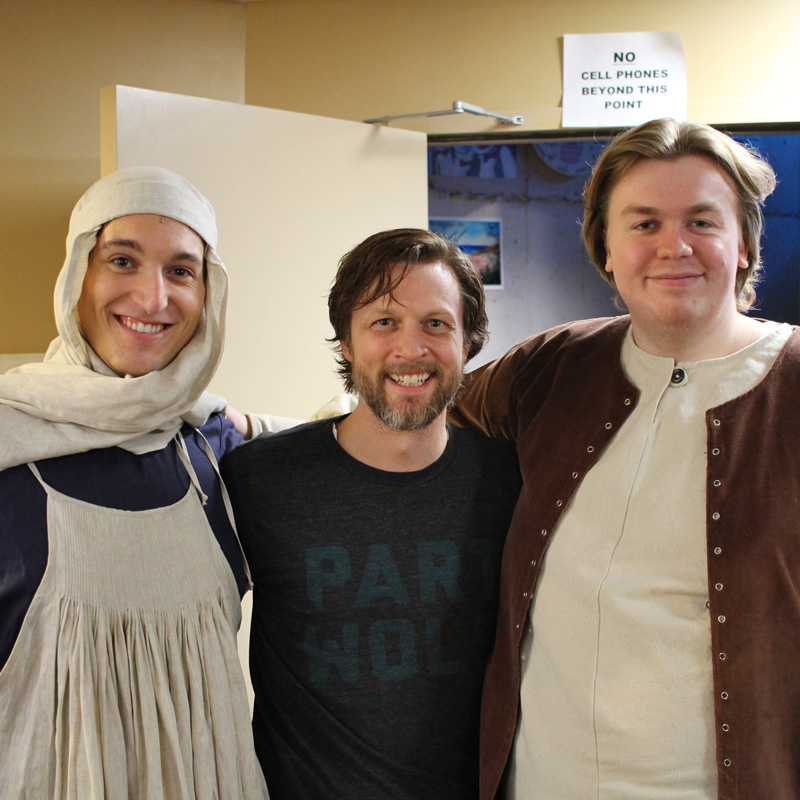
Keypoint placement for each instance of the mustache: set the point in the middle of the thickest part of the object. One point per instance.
(424, 365)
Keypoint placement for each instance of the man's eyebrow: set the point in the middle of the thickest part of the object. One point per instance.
(442, 312)
(634, 209)
(698, 208)
(184, 256)
(131, 244)
(701, 208)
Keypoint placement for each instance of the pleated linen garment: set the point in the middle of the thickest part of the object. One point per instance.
(125, 679)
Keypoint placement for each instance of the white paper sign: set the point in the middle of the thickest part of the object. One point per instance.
(618, 79)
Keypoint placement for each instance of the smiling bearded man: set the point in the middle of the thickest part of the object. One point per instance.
(412, 393)
(375, 541)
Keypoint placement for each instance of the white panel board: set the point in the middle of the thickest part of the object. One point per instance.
(293, 192)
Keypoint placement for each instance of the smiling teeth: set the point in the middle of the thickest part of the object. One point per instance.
(141, 327)
(411, 380)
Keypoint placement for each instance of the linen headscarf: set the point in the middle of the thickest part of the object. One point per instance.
(73, 401)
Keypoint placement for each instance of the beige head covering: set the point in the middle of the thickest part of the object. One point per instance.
(73, 401)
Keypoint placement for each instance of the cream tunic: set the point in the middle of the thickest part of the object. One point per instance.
(616, 693)
(125, 680)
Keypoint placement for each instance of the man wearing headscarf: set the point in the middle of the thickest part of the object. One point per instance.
(121, 571)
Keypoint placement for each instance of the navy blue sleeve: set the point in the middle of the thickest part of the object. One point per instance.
(23, 550)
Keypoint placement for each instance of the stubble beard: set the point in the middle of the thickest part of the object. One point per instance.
(414, 415)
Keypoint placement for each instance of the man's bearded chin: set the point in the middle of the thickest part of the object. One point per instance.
(414, 414)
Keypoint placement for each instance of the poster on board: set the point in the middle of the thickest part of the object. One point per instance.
(480, 240)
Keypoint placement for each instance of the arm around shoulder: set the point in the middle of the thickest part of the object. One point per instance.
(485, 403)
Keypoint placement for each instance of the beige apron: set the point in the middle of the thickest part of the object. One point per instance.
(124, 682)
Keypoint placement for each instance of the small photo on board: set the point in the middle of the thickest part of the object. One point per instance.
(480, 240)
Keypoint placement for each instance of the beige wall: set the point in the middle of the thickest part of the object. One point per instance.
(351, 59)
(369, 58)
(54, 57)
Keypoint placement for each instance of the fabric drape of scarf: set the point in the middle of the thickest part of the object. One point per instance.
(72, 401)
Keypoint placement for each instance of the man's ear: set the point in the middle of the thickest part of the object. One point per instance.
(609, 265)
(744, 256)
(346, 351)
